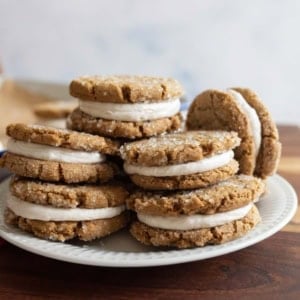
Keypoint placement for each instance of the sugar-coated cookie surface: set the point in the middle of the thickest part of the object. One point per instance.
(197, 237)
(125, 88)
(227, 195)
(62, 138)
(178, 148)
(68, 196)
(66, 230)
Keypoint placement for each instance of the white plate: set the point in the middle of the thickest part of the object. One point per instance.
(277, 208)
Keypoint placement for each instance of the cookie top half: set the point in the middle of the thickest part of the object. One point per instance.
(125, 88)
(178, 148)
(51, 136)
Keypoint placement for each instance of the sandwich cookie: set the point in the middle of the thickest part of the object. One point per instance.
(183, 219)
(54, 113)
(52, 154)
(186, 160)
(240, 110)
(61, 212)
(126, 106)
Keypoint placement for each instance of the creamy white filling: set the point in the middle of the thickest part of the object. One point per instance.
(194, 221)
(49, 213)
(133, 112)
(203, 165)
(252, 116)
(59, 154)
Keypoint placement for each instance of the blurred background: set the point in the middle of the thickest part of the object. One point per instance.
(204, 44)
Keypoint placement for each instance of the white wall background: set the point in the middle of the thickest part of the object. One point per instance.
(204, 44)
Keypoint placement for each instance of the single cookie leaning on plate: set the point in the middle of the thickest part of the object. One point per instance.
(126, 106)
(240, 110)
(211, 215)
(61, 212)
(184, 160)
(52, 154)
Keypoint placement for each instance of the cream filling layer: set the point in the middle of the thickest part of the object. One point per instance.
(194, 221)
(252, 117)
(48, 213)
(203, 165)
(128, 112)
(45, 152)
(56, 122)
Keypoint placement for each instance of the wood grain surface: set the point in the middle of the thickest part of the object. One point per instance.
(267, 270)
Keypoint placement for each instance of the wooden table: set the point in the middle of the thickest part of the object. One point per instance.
(267, 270)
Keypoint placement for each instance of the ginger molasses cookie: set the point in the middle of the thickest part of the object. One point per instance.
(184, 160)
(126, 106)
(61, 212)
(211, 215)
(52, 154)
(240, 110)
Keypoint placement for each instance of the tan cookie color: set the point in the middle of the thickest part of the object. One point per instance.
(178, 148)
(62, 138)
(233, 193)
(62, 231)
(54, 109)
(68, 196)
(192, 181)
(57, 171)
(81, 121)
(214, 109)
(125, 88)
(198, 237)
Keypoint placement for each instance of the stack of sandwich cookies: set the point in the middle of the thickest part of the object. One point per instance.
(211, 215)
(58, 155)
(127, 107)
(186, 160)
(45, 196)
(61, 212)
(240, 110)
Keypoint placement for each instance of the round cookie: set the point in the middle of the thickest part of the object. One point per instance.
(126, 106)
(125, 88)
(233, 193)
(81, 121)
(63, 231)
(68, 196)
(214, 109)
(68, 139)
(57, 171)
(197, 237)
(52, 154)
(184, 160)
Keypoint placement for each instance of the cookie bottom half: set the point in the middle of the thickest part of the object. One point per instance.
(57, 171)
(66, 230)
(192, 181)
(81, 121)
(197, 237)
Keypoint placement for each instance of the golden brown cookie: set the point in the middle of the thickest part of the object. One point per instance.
(54, 109)
(57, 171)
(83, 122)
(66, 230)
(227, 195)
(178, 148)
(125, 88)
(184, 182)
(62, 138)
(214, 109)
(197, 237)
(185, 160)
(68, 196)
